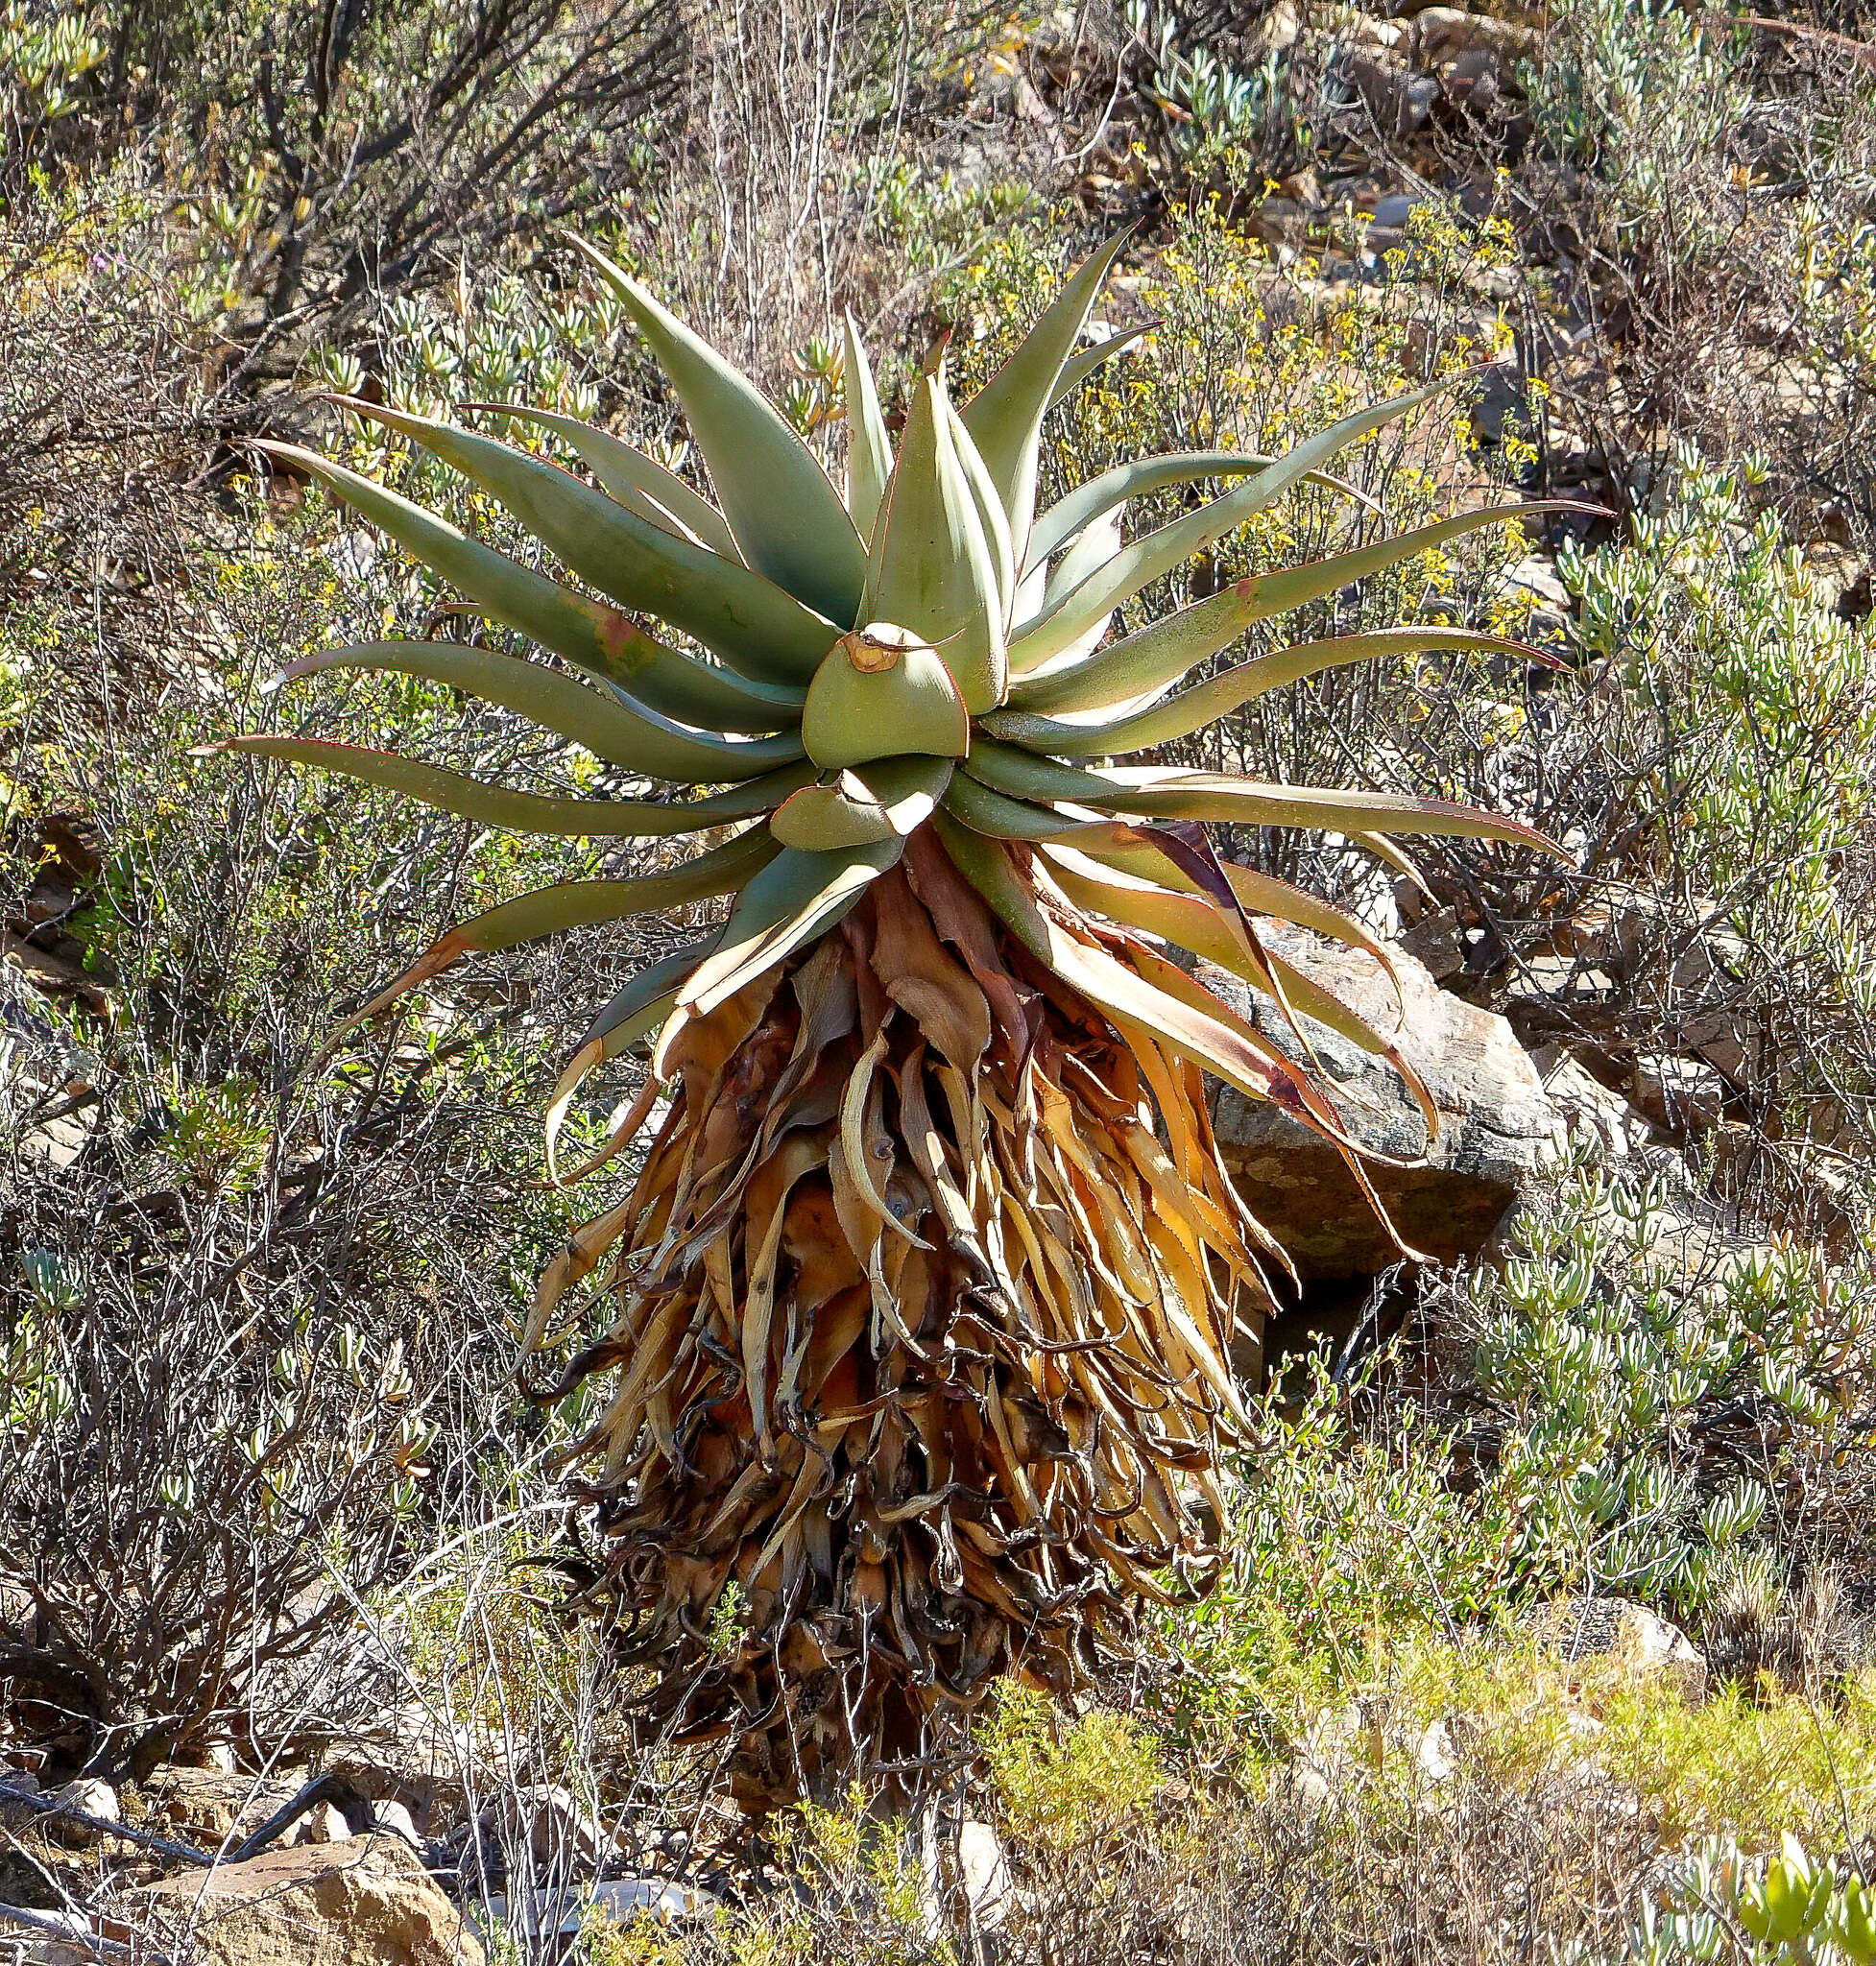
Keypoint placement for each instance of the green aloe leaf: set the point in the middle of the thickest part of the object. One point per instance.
(1194, 708)
(862, 710)
(1316, 1113)
(584, 631)
(1006, 416)
(579, 904)
(932, 570)
(795, 898)
(633, 1014)
(753, 625)
(1176, 541)
(1164, 650)
(781, 505)
(991, 518)
(529, 812)
(869, 446)
(1079, 509)
(1191, 922)
(907, 788)
(619, 732)
(1141, 850)
(1081, 364)
(656, 981)
(875, 801)
(826, 819)
(638, 483)
(1155, 794)
(999, 817)
(1195, 1022)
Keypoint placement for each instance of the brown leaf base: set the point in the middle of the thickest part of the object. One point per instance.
(921, 1311)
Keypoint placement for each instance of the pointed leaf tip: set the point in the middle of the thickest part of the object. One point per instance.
(784, 512)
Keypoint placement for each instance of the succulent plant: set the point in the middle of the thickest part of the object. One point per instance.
(913, 1325)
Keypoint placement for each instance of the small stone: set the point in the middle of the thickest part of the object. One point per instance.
(211, 1808)
(16, 1782)
(1279, 27)
(983, 1876)
(327, 1824)
(1616, 1632)
(663, 1899)
(545, 1820)
(1433, 1756)
(1436, 940)
(1538, 578)
(1614, 1129)
(394, 1820)
(92, 1796)
(1398, 100)
(1681, 1095)
(1443, 35)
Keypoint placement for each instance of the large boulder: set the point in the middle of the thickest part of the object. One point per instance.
(366, 1902)
(1498, 1129)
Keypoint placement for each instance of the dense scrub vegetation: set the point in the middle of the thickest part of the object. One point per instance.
(267, 1485)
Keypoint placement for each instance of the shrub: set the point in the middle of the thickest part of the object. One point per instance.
(1622, 1406)
(1762, 702)
(251, 1314)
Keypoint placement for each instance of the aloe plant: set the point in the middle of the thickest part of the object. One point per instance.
(912, 1328)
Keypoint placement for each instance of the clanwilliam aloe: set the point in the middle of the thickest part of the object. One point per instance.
(912, 1328)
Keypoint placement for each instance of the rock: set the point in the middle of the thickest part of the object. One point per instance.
(394, 1820)
(1397, 208)
(1434, 1758)
(621, 1900)
(1441, 35)
(1694, 969)
(324, 1824)
(366, 1902)
(546, 1822)
(1504, 398)
(1279, 27)
(1616, 1632)
(983, 1877)
(1538, 577)
(1436, 940)
(1398, 100)
(1499, 1128)
(1612, 1128)
(1681, 1095)
(663, 1899)
(210, 1806)
(1347, 1746)
(90, 1796)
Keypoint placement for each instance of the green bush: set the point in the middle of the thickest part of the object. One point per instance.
(1763, 702)
(1617, 1408)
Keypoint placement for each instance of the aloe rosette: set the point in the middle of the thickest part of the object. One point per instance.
(912, 1328)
